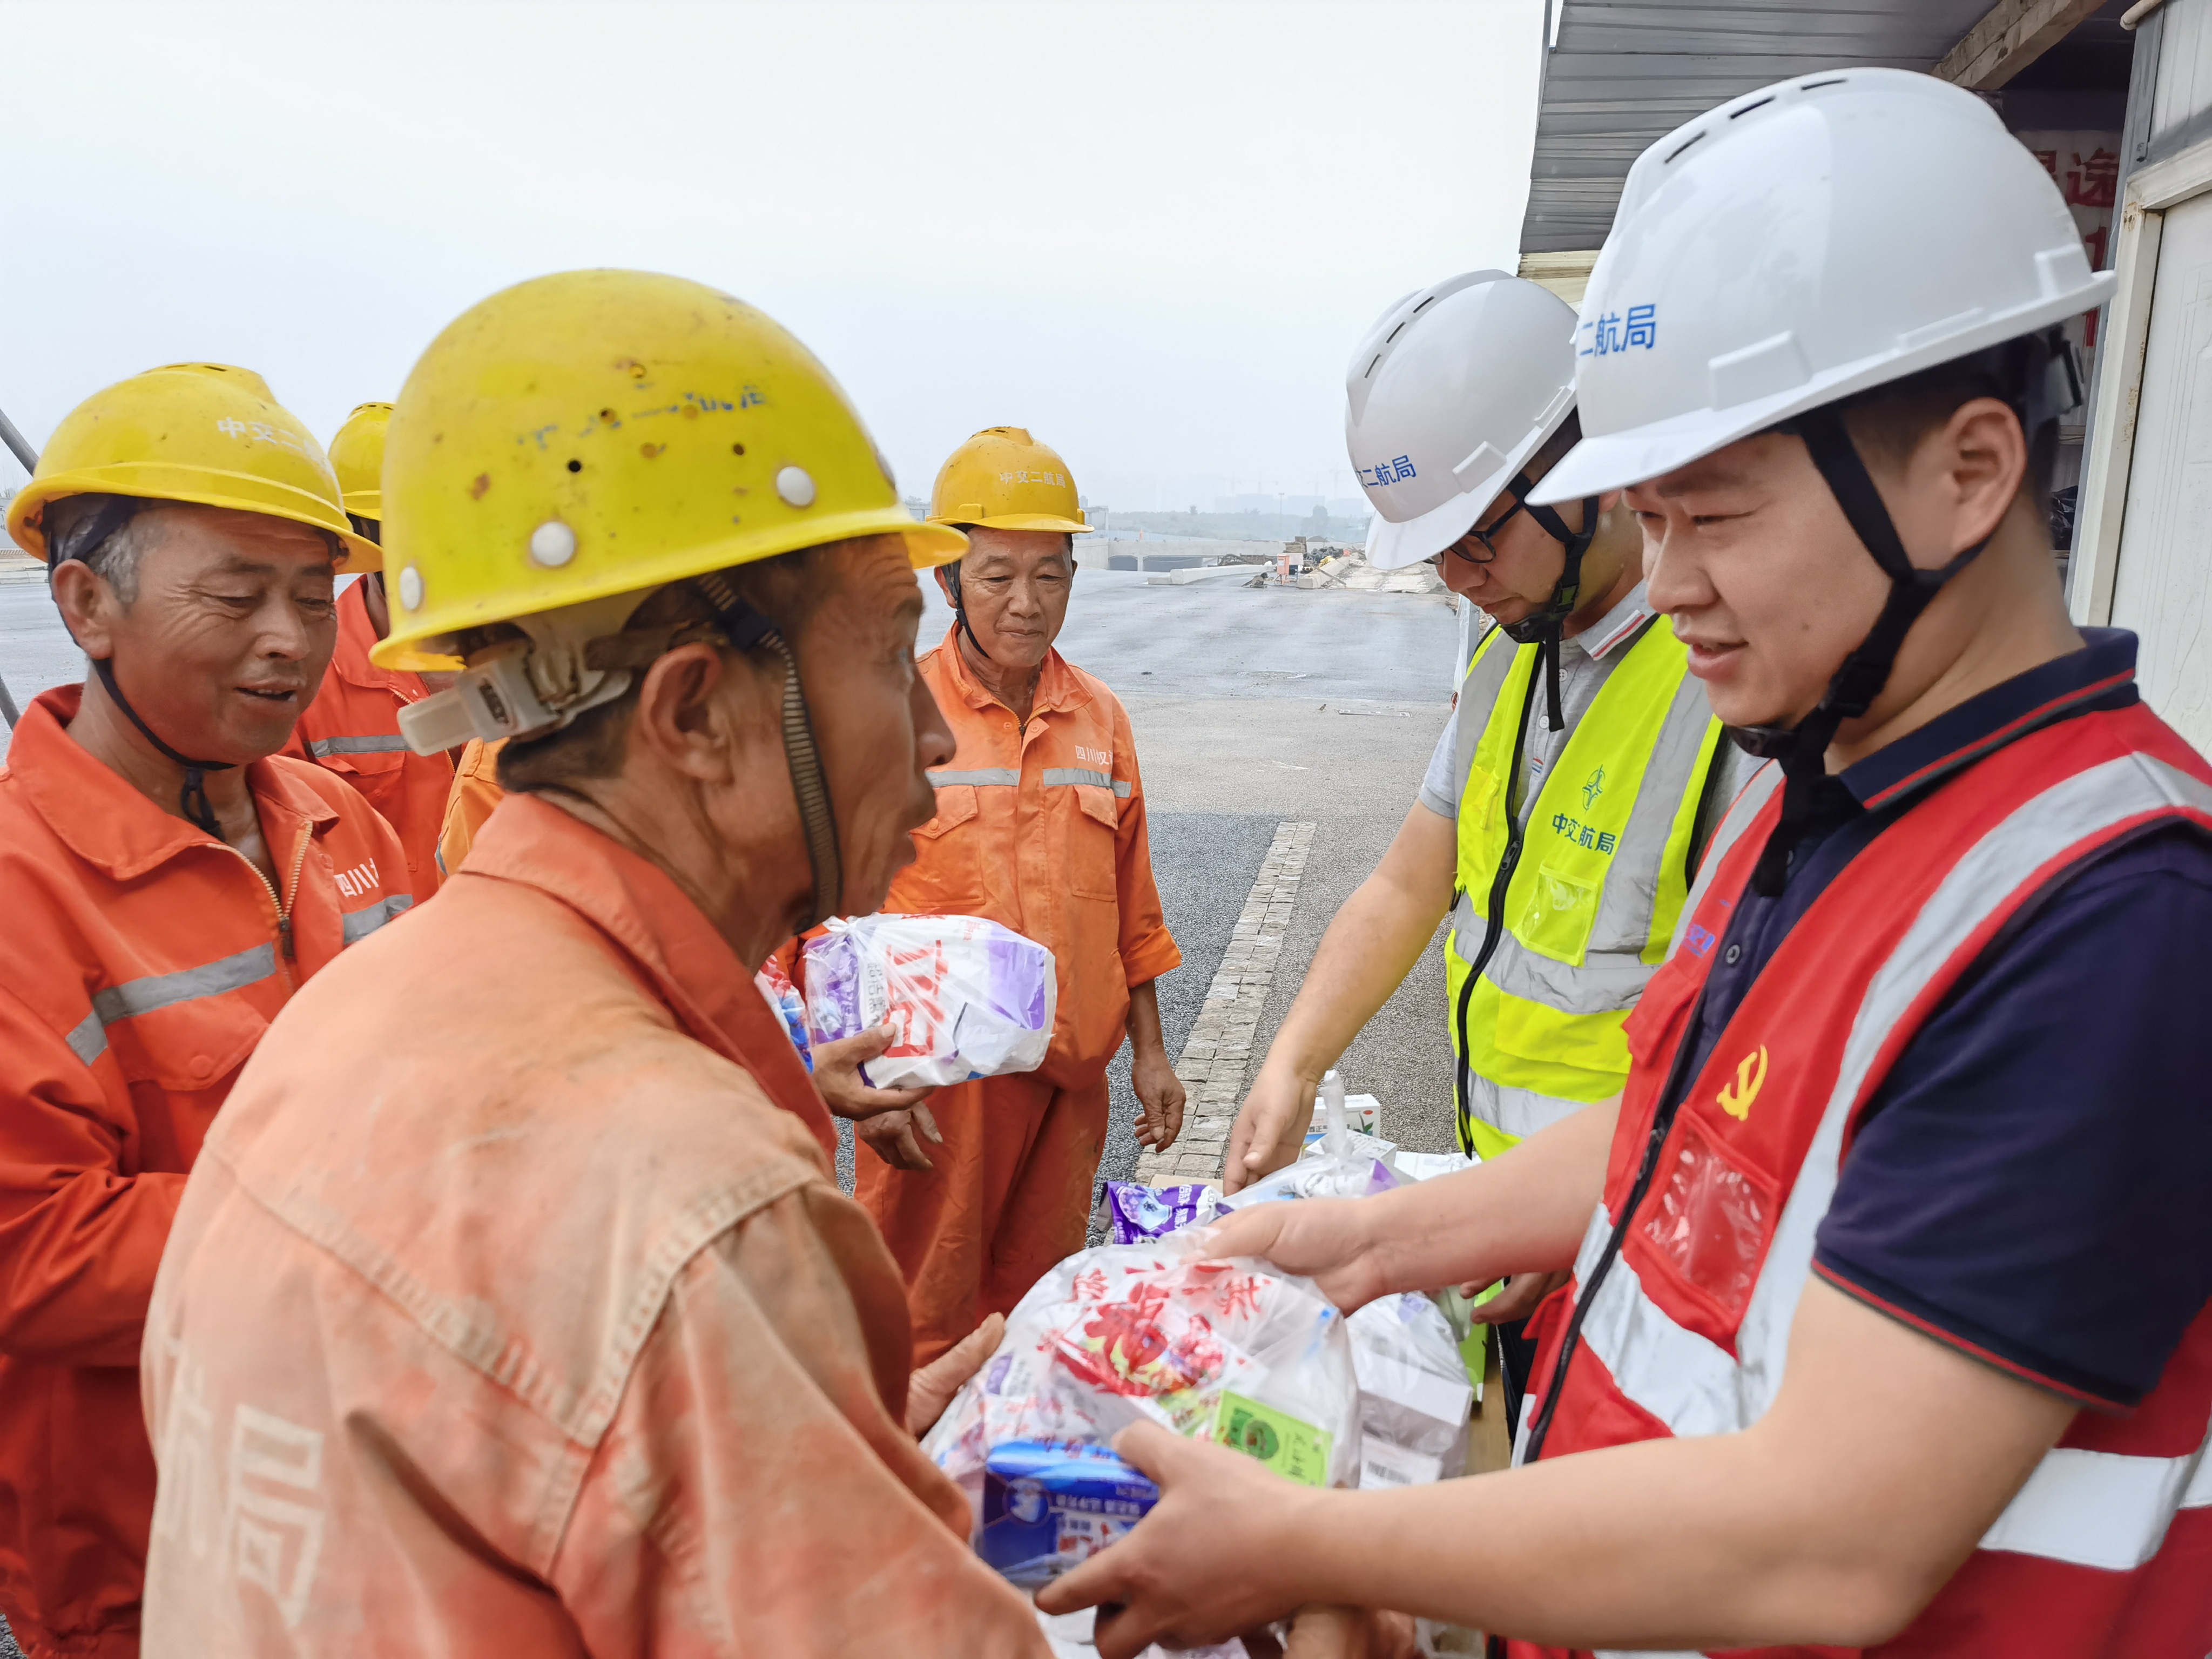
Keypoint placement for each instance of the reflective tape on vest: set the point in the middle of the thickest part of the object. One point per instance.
(2096, 1508)
(987, 776)
(1516, 1112)
(2100, 1509)
(360, 924)
(1063, 777)
(89, 1039)
(323, 748)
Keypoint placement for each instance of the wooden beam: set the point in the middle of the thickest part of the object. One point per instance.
(2013, 35)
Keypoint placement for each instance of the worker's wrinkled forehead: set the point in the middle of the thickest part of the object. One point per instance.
(868, 584)
(992, 552)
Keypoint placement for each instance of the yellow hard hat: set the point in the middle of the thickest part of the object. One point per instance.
(1003, 479)
(602, 433)
(203, 433)
(357, 457)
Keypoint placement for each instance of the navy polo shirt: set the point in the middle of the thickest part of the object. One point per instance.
(2033, 1183)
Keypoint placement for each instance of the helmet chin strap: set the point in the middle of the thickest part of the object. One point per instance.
(85, 537)
(2041, 383)
(960, 609)
(747, 629)
(1546, 628)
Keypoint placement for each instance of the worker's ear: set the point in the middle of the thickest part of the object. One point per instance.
(943, 574)
(693, 708)
(88, 607)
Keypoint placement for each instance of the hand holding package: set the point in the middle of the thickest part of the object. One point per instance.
(969, 997)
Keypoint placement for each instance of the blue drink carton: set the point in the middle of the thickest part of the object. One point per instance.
(1050, 1505)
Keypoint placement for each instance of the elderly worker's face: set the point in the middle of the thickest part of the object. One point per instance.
(220, 637)
(1015, 584)
(876, 727)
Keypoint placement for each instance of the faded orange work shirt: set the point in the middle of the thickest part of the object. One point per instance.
(1041, 829)
(144, 960)
(513, 1307)
(352, 727)
(469, 801)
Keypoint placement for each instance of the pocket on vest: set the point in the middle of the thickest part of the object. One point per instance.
(1561, 910)
(1708, 1220)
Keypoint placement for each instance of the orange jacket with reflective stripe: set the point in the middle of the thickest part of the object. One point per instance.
(353, 728)
(1041, 829)
(144, 960)
(514, 1309)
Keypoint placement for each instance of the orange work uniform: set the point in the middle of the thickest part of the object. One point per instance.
(353, 728)
(474, 794)
(144, 960)
(514, 1309)
(1041, 829)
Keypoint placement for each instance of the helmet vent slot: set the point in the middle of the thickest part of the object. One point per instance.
(1685, 144)
(1395, 332)
(1747, 109)
(1833, 80)
(1376, 359)
(1421, 307)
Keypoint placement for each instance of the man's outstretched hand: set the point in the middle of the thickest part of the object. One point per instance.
(891, 1122)
(1327, 1240)
(1203, 1566)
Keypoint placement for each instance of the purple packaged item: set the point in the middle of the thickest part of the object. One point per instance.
(1138, 1212)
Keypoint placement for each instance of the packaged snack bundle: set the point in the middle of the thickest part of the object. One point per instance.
(969, 998)
(1229, 1351)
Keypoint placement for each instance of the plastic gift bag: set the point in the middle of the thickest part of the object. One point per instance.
(1227, 1351)
(969, 998)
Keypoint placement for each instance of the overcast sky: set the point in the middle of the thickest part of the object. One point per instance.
(1151, 233)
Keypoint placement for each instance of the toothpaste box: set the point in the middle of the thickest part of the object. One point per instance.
(1049, 1506)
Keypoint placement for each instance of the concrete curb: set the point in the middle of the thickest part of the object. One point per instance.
(1219, 1051)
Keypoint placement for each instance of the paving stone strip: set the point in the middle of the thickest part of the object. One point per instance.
(1215, 1060)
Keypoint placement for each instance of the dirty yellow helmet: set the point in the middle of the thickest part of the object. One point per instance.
(357, 458)
(1003, 479)
(203, 433)
(598, 434)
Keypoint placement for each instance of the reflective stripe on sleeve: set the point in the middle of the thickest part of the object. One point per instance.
(88, 1041)
(1065, 777)
(323, 747)
(1001, 776)
(2094, 1509)
(360, 924)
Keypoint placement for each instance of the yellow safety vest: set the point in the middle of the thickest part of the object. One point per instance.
(1555, 931)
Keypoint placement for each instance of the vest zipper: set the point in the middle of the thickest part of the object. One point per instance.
(1494, 924)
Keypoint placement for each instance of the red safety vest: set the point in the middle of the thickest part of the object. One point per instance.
(2107, 1549)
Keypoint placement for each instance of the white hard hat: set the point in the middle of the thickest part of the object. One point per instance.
(1803, 243)
(1448, 397)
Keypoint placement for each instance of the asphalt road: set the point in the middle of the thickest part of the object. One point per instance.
(1251, 707)
(1254, 706)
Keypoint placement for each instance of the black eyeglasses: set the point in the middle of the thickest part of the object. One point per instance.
(1490, 547)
